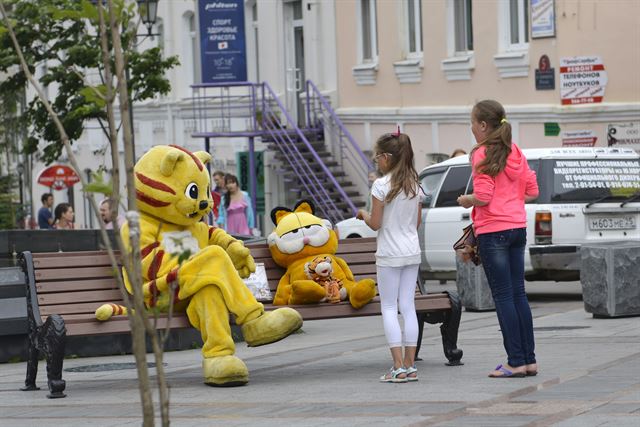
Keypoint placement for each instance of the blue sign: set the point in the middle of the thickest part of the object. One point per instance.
(223, 52)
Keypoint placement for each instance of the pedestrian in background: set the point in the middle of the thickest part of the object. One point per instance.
(45, 217)
(217, 190)
(395, 213)
(105, 214)
(502, 183)
(373, 175)
(236, 212)
(63, 217)
(458, 152)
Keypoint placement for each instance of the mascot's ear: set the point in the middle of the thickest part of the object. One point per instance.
(278, 213)
(169, 161)
(304, 206)
(203, 156)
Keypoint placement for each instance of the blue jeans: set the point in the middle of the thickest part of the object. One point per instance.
(502, 255)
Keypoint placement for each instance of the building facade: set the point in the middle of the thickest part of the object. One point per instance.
(423, 64)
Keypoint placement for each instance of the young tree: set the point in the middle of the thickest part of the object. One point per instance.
(72, 39)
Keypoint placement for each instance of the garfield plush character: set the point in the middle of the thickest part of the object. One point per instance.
(298, 238)
(320, 270)
(173, 194)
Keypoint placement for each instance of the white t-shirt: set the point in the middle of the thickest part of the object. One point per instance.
(397, 240)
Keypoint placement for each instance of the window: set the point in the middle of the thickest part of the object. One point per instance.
(366, 70)
(519, 22)
(463, 26)
(512, 59)
(429, 184)
(461, 62)
(369, 46)
(455, 184)
(190, 56)
(414, 27)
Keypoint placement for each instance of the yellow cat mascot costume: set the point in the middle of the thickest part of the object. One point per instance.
(173, 193)
(300, 237)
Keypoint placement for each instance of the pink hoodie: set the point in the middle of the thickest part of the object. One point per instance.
(504, 193)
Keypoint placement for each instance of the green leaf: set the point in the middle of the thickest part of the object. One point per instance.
(90, 95)
(98, 185)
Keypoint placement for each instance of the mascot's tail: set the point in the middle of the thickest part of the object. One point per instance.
(107, 311)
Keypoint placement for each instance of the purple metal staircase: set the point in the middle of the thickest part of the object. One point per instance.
(253, 110)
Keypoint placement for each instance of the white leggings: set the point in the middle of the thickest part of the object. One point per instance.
(397, 287)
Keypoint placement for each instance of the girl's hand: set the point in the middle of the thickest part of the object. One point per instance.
(465, 201)
(362, 214)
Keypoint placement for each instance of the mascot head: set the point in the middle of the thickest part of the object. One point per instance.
(172, 184)
(300, 234)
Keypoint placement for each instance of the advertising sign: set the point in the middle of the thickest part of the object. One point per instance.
(579, 138)
(545, 75)
(624, 135)
(58, 177)
(242, 160)
(582, 80)
(543, 19)
(223, 52)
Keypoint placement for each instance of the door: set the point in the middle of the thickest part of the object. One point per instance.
(294, 59)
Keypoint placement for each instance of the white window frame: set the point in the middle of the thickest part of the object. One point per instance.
(512, 59)
(459, 64)
(367, 69)
(189, 57)
(409, 70)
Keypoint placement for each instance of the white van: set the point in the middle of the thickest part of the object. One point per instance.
(586, 195)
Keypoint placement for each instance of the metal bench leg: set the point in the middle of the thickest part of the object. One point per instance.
(32, 362)
(421, 320)
(54, 334)
(449, 331)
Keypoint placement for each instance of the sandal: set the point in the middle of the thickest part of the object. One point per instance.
(506, 373)
(394, 376)
(412, 370)
(532, 372)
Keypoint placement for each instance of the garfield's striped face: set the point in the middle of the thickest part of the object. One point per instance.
(173, 184)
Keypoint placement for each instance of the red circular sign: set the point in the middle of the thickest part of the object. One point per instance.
(58, 177)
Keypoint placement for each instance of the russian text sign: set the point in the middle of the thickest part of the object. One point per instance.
(582, 80)
(624, 135)
(223, 53)
(579, 138)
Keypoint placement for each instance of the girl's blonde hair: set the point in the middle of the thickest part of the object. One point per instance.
(498, 142)
(401, 164)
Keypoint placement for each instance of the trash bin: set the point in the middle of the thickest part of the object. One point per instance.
(473, 287)
(610, 279)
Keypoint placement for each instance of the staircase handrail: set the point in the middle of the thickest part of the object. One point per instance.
(335, 117)
(317, 158)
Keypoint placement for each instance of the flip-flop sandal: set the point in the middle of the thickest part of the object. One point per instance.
(506, 373)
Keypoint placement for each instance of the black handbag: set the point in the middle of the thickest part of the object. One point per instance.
(467, 246)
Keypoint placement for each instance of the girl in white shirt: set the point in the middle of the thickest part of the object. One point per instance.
(395, 213)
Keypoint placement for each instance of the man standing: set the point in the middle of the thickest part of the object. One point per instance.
(45, 218)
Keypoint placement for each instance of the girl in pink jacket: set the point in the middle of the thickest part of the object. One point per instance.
(502, 183)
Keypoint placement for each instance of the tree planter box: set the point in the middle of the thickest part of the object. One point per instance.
(610, 278)
(473, 287)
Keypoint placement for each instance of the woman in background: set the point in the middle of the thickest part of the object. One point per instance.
(64, 215)
(236, 212)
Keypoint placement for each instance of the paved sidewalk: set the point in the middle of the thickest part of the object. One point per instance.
(328, 376)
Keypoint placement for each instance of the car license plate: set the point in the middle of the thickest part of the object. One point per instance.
(612, 223)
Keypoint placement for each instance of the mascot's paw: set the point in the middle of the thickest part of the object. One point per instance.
(272, 326)
(241, 258)
(106, 311)
(306, 292)
(225, 371)
(363, 292)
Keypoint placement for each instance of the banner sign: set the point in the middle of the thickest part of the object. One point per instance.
(242, 160)
(223, 53)
(58, 177)
(545, 75)
(543, 19)
(582, 80)
(624, 135)
(579, 138)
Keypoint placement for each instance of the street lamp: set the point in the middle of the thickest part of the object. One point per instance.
(148, 13)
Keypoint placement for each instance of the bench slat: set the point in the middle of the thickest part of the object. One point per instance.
(110, 295)
(119, 325)
(73, 308)
(72, 261)
(75, 285)
(73, 273)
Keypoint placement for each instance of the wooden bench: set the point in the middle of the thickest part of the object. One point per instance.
(65, 288)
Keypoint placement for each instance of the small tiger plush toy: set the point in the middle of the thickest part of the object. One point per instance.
(320, 270)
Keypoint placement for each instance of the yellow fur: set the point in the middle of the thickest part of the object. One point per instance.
(173, 192)
(289, 249)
